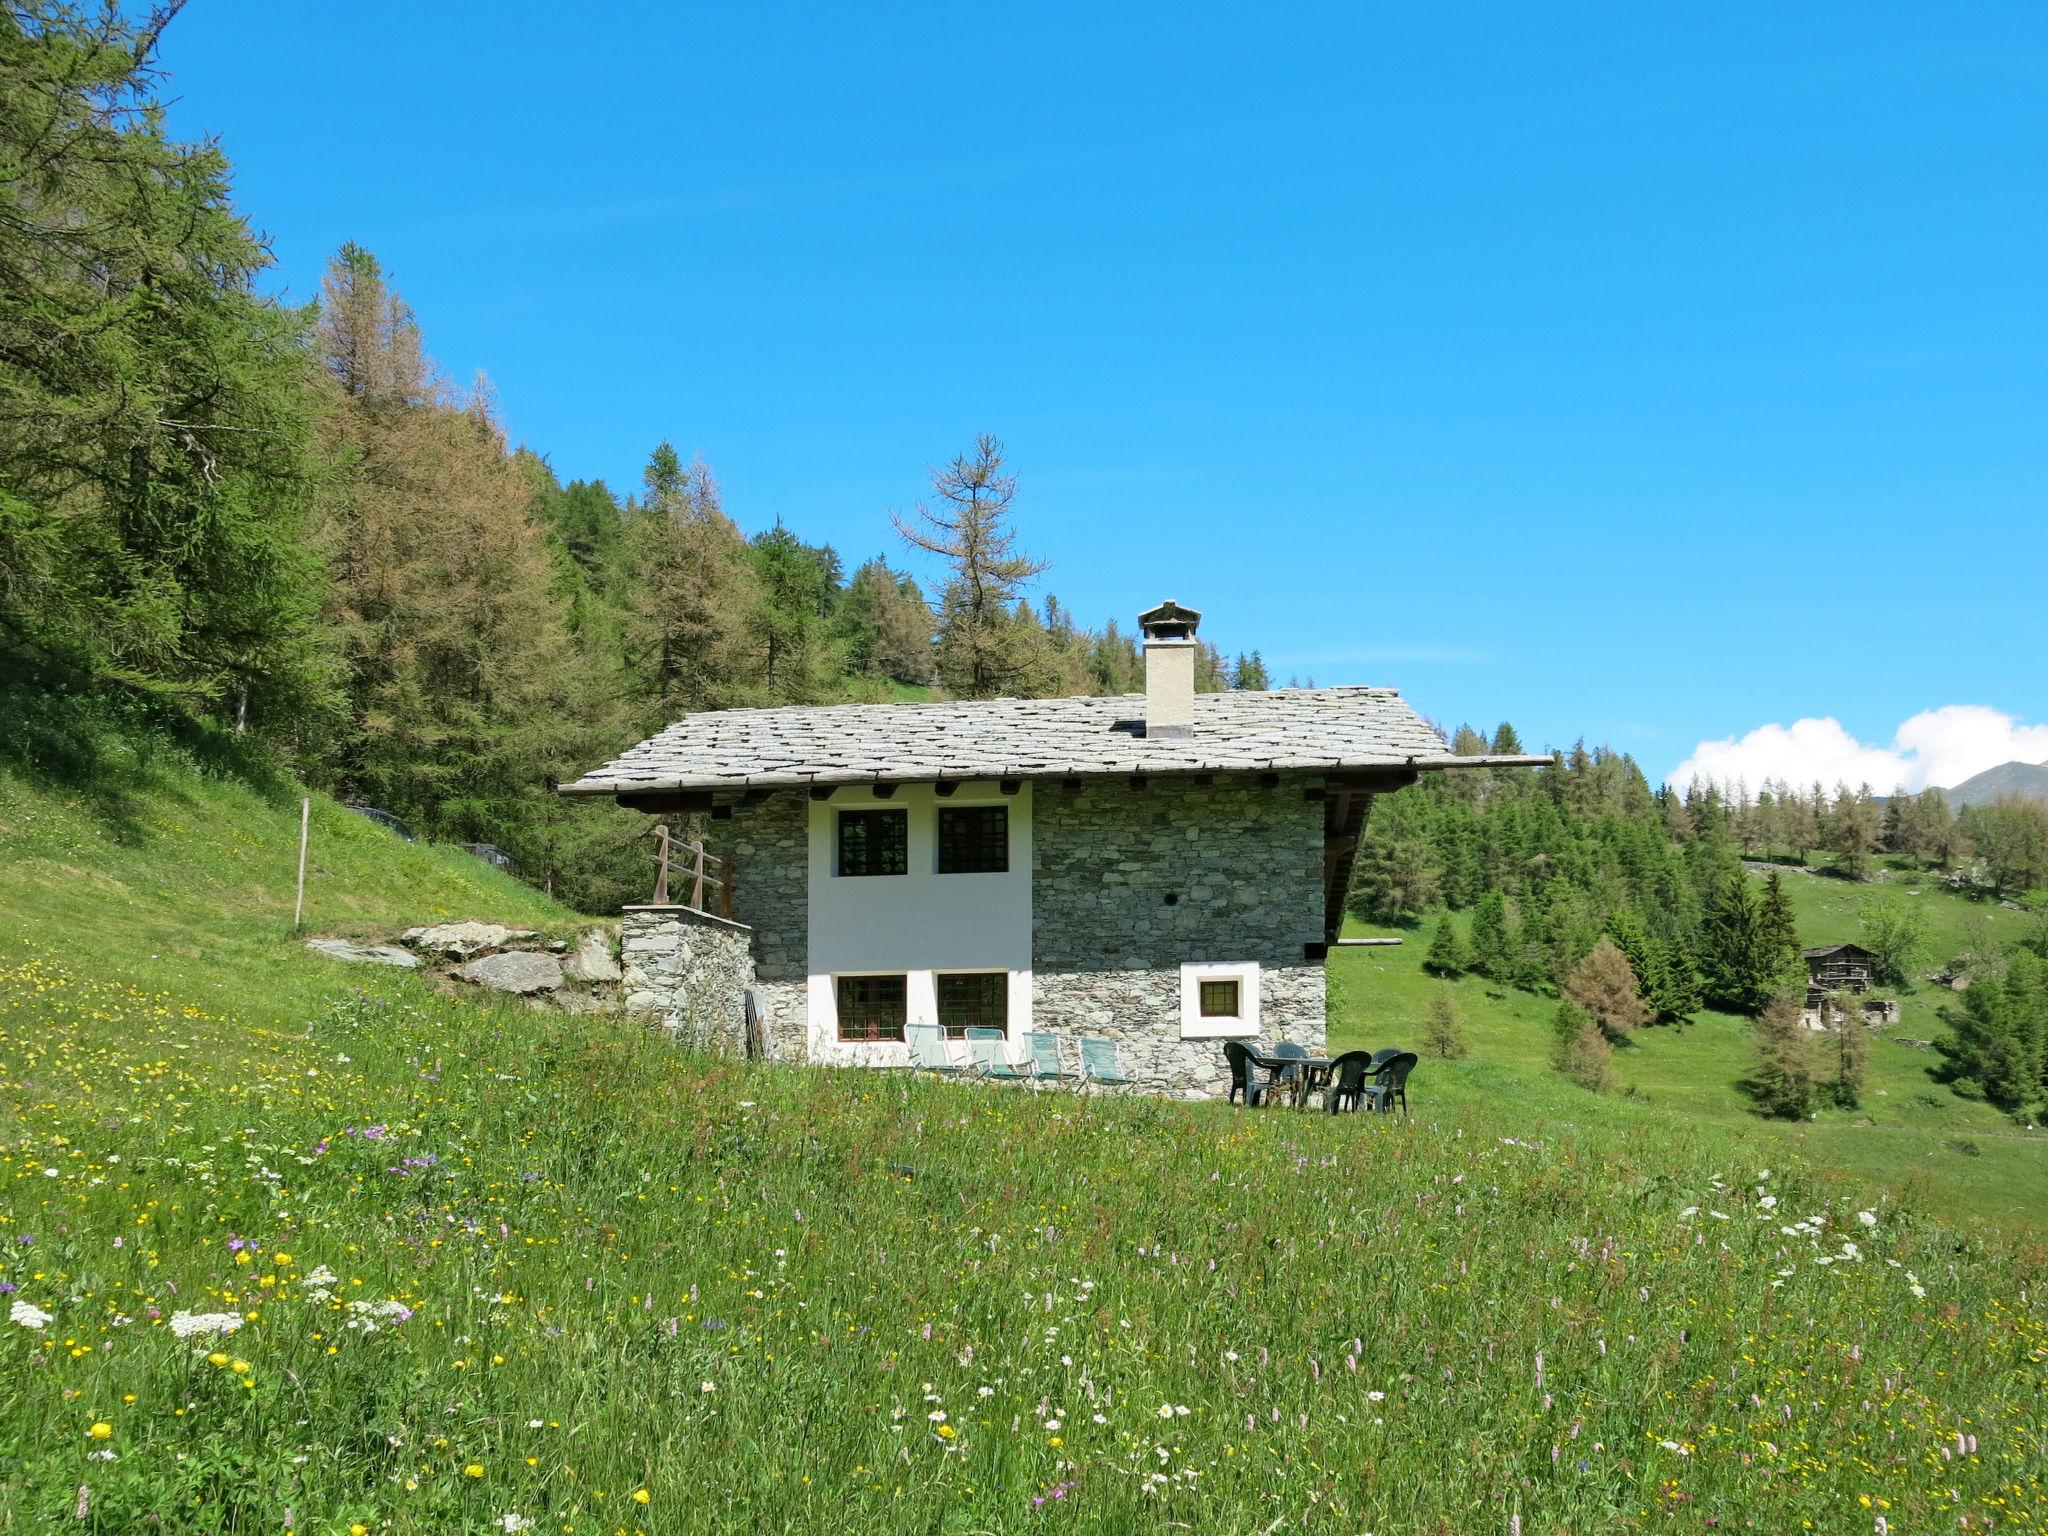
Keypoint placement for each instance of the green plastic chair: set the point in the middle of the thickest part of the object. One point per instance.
(1099, 1062)
(928, 1049)
(1048, 1065)
(1347, 1082)
(990, 1050)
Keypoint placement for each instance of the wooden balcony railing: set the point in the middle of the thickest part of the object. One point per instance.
(687, 876)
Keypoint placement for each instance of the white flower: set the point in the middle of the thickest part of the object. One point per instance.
(511, 1521)
(206, 1324)
(1690, 1210)
(1376, 1397)
(1769, 1202)
(937, 1415)
(321, 1276)
(1868, 1218)
(707, 1387)
(28, 1316)
(1052, 1426)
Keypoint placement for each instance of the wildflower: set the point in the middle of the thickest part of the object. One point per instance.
(641, 1496)
(102, 1431)
(474, 1469)
(185, 1324)
(947, 1432)
(28, 1316)
(513, 1522)
(216, 1359)
(1868, 1218)
(707, 1387)
(239, 1367)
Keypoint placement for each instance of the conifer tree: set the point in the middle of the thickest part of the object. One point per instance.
(1443, 1034)
(1446, 956)
(696, 596)
(1493, 944)
(981, 649)
(1847, 1050)
(1786, 1078)
(1748, 947)
(1579, 1050)
(1604, 988)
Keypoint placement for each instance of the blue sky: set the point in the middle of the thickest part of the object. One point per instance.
(1622, 371)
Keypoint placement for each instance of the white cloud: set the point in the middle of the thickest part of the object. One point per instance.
(1937, 746)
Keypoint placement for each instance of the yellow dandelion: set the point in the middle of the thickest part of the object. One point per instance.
(641, 1496)
(474, 1469)
(101, 1431)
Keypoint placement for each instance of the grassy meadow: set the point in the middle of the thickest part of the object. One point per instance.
(1910, 1133)
(293, 1246)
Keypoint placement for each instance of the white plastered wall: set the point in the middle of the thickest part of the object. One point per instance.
(916, 924)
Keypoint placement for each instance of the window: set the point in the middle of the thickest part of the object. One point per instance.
(974, 839)
(1219, 1000)
(871, 1007)
(974, 1000)
(874, 843)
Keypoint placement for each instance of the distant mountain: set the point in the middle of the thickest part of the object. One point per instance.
(2027, 779)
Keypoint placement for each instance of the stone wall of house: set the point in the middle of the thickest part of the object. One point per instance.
(1129, 885)
(768, 842)
(691, 972)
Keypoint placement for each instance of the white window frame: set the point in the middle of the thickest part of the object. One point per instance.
(1193, 1026)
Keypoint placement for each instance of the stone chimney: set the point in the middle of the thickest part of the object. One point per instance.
(1169, 632)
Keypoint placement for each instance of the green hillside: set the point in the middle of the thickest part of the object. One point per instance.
(1910, 1132)
(291, 1245)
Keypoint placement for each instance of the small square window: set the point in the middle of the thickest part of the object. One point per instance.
(872, 1007)
(1220, 998)
(974, 1000)
(874, 843)
(974, 839)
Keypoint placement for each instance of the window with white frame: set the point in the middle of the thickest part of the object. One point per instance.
(1219, 1001)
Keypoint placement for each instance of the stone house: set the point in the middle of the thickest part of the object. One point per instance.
(1166, 869)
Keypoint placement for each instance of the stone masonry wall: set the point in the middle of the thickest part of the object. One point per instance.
(1245, 866)
(691, 972)
(768, 841)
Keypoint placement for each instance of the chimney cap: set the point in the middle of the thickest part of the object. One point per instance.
(1169, 621)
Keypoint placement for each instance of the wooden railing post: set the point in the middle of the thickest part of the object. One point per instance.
(697, 883)
(661, 866)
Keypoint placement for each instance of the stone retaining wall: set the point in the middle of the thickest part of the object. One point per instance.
(1244, 868)
(691, 972)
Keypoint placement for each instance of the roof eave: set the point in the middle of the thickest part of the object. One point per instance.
(840, 777)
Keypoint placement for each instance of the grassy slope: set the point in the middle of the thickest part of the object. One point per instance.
(1910, 1132)
(745, 1293)
(185, 883)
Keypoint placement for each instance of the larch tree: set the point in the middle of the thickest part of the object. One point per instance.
(695, 596)
(1604, 988)
(981, 651)
(1786, 1078)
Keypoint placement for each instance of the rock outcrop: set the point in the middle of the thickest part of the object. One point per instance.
(464, 941)
(366, 954)
(518, 971)
(593, 960)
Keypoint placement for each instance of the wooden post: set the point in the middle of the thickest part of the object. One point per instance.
(661, 865)
(697, 886)
(305, 822)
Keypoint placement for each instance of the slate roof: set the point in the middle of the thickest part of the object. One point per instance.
(1291, 728)
(1821, 952)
